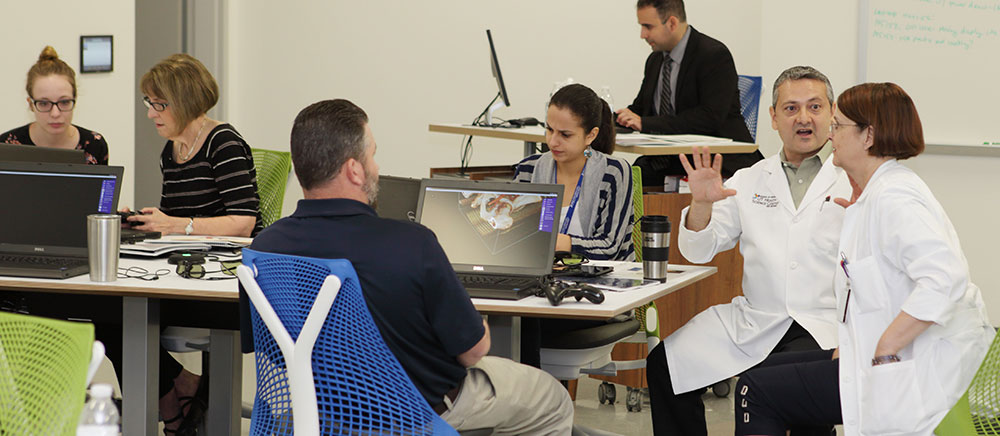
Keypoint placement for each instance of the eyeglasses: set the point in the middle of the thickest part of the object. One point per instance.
(834, 126)
(46, 106)
(159, 107)
(568, 259)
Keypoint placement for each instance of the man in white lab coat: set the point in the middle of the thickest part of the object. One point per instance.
(782, 212)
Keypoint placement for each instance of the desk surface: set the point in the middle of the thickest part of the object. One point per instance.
(537, 134)
(614, 302)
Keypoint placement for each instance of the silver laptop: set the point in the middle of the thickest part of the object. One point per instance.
(397, 198)
(31, 153)
(500, 237)
(43, 227)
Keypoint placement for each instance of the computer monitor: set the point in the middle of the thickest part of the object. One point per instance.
(495, 66)
(493, 227)
(46, 205)
(31, 153)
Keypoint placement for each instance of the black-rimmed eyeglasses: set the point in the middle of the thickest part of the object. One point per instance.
(159, 107)
(65, 105)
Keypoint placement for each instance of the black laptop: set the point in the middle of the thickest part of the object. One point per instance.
(31, 153)
(397, 198)
(43, 227)
(500, 237)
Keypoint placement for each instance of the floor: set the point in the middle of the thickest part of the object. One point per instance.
(589, 412)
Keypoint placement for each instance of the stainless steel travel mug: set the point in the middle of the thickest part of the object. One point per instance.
(103, 234)
(655, 246)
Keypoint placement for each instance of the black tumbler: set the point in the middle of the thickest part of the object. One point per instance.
(655, 246)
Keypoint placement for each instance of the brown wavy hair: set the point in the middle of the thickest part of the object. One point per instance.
(185, 84)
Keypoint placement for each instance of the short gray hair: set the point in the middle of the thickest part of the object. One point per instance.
(798, 73)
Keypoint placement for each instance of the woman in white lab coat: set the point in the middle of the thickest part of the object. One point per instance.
(913, 327)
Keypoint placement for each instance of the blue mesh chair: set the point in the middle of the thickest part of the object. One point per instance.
(750, 88)
(320, 356)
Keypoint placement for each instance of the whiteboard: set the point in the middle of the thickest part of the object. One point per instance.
(946, 55)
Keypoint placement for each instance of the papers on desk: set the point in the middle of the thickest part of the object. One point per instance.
(641, 139)
(615, 284)
(169, 244)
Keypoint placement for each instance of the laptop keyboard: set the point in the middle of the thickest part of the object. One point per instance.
(497, 282)
(29, 261)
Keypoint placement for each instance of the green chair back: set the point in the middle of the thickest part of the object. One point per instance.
(43, 374)
(273, 168)
(978, 411)
(638, 211)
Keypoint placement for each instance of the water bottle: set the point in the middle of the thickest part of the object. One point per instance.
(555, 87)
(99, 416)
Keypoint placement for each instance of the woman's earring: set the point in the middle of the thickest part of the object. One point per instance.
(588, 152)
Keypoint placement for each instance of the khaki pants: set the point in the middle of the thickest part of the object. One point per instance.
(510, 398)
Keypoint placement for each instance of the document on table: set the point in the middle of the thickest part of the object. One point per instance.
(641, 139)
(171, 243)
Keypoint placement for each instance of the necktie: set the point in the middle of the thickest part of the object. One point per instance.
(666, 107)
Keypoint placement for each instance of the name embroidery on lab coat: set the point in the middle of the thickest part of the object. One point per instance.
(765, 200)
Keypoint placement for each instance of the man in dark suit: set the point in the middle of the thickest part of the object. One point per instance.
(694, 93)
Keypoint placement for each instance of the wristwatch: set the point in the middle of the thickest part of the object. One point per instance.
(889, 358)
(190, 227)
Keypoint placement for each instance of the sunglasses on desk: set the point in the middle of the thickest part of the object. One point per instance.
(566, 258)
(199, 272)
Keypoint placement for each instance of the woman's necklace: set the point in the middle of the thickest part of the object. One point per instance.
(191, 149)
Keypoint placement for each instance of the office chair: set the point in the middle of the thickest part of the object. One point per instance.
(750, 89)
(273, 168)
(320, 357)
(978, 411)
(569, 355)
(45, 367)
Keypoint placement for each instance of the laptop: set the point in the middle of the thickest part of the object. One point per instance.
(31, 153)
(397, 198)
(43, 227)
(500, 237)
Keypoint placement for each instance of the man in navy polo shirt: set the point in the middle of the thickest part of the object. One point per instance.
(423, 313)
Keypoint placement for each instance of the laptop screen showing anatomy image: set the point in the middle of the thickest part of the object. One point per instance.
(493, 228)
(46, 206)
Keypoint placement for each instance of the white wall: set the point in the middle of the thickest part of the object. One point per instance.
(412, 64)
(105, 101)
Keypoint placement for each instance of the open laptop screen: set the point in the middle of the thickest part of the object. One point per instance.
(46, 205)
(493, 227)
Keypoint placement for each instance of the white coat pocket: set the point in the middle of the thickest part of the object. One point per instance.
(891, 402)
(868, 291)
(825, 242)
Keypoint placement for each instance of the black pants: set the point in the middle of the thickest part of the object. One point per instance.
(684, 414)
(537, 332)
(798, 391)
(110, 334)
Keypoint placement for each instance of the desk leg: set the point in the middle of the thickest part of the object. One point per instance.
(225, 384)
(505, 336)
(140, 365)
(529, 148)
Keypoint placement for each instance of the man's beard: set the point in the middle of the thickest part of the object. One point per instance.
(371, 188)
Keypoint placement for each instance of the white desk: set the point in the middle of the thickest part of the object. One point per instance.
(503, 316)
(141, 330)
(532, 135)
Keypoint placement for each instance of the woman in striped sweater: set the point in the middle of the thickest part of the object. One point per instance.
(597, 214)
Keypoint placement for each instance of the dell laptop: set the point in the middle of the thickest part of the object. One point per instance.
(31, 153)
(500, 237)
(43, 227)
(397, 198)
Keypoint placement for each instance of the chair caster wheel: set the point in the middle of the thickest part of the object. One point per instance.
(606, 392)
(633, 400)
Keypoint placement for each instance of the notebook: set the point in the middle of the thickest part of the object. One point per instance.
(500, 237)
(397, 198)
(31, 153)
(43, 227)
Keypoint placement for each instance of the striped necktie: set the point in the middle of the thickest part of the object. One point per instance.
(666, 107)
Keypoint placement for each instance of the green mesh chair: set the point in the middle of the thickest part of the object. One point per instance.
(273, 168)
(647, 312)
(43, 373)
(978, 411)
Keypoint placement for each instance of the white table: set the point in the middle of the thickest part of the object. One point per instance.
(503, 316)
(532, 135)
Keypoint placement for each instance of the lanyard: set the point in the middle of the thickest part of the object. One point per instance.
(576, 197)
(844, 264)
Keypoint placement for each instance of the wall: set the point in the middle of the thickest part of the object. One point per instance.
(105, 101)
(427, 62)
